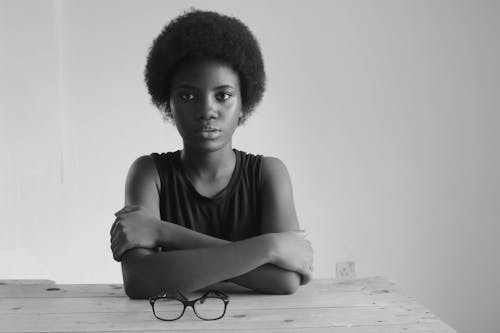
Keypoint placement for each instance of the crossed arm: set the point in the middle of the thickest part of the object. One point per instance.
(275, 262)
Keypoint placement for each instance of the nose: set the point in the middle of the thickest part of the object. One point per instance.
(208, 108)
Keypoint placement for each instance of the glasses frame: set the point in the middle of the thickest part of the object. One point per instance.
(186, 302)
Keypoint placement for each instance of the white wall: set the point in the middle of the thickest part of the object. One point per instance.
(386, 114)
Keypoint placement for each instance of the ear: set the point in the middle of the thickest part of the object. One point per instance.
(240, 118)
(168, 115)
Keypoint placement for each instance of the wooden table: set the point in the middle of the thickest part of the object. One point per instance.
(362, 305)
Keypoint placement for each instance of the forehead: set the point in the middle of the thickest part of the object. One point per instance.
(206, 74)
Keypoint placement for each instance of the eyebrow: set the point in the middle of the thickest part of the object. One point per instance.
(180, 86)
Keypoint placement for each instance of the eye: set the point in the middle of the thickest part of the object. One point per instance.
(224, 96)
(186, 96)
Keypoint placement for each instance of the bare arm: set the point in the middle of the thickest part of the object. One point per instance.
(142, 189)
(267, 278)
(188, 270)
(278, 215)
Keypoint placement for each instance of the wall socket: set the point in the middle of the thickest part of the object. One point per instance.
(346, 270)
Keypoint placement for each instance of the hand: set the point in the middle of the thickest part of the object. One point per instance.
(291, 251)
(305, 278)
(134, 227)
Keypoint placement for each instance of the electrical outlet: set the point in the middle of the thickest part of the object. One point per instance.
(345, 270)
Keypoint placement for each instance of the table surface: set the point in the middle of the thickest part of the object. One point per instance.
(372, 304)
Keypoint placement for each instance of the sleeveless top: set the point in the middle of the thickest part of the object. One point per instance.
(233, 214)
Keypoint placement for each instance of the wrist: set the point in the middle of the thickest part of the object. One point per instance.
(269, 246)
(161, 233)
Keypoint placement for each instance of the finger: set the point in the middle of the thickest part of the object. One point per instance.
(116, 248)
(128, 209)
(113, 227)
(305, 278)
(119, 245)
(301, 232)
(120, 250)
(117, 239)
(304, 270)
(114, 252)
(116, 257)
(116, 226)
(114, 236)
(121, 210)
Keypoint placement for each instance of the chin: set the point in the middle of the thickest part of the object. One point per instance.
(207, 146)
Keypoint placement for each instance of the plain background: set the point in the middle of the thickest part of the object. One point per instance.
(386, 114)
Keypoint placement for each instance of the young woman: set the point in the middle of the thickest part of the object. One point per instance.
(209, 212)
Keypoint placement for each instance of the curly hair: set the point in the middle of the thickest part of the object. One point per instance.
(205, 35)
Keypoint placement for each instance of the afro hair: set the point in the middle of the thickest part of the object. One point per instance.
(205, 35)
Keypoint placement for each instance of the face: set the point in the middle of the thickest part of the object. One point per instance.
(205, 102)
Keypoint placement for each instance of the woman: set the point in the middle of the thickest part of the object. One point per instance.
(208, 213)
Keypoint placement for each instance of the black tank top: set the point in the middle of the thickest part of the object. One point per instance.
(233, 214)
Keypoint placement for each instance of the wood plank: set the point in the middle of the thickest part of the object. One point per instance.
(372, 304)
(318, 294)
(117, 304)
(372, 284)
(25, 281)
(406, 328)
(262, 319)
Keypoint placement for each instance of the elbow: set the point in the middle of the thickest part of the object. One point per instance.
(135, 291)
(135, 288)
(140, 285)
(145, 290)
(136, 283)
(132, 294)
(288, 284)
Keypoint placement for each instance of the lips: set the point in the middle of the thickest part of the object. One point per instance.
(208, 132)
(208, 129)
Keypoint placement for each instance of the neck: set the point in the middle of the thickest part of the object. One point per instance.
(208, 164)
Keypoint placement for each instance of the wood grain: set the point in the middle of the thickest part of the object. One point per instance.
(361, 305)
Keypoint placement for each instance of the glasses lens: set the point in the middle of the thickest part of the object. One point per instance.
(168, 308)
(209, 308)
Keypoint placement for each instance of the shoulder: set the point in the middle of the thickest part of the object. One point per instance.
(273, 170)
(143, 184)
(144, 169)
(270, 168)
(144, 164)
(278, 209)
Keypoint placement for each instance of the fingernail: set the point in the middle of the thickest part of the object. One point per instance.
(301, 232)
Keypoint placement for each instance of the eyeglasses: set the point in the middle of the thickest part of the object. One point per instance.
(211, 306)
